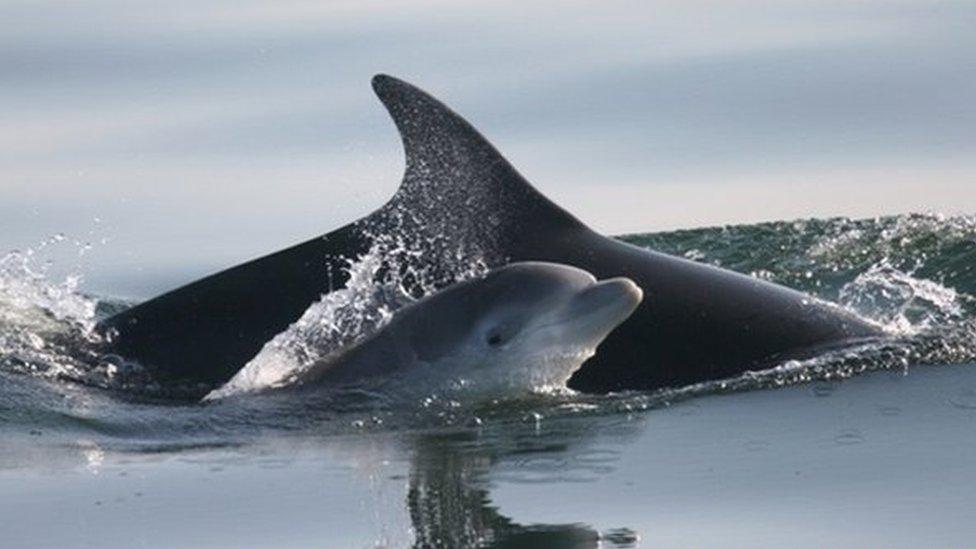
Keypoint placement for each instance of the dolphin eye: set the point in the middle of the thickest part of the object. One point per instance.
(500, 334)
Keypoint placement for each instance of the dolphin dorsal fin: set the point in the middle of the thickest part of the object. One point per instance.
(454, 176)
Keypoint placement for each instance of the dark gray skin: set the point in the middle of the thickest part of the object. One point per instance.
(522, 327)
(699, 322)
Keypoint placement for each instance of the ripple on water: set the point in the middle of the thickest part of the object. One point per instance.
(586, 466)
(545, 464)
(824, 389)
(849, 437)
(964, 399)
(597, 457)
(890, 411)
(620, 537)
(756, 445)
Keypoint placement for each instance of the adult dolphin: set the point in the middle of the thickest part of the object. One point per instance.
(460, 197)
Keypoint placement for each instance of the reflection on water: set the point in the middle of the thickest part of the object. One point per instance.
(800, 466)
(449, 497)
(440, 481)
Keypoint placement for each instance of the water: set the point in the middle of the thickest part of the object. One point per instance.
(867, 445)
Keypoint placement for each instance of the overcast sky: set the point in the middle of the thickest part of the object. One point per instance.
(203, 133)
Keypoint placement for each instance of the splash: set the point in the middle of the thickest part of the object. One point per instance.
(25, 285)
(43, 323)
(395, 271)
(904, 304)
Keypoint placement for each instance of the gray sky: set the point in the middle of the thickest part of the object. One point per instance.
(202, 133)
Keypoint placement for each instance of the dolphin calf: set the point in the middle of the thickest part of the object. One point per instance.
(523, 327)
(459, 201)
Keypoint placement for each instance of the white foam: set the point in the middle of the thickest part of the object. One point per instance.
(34, 309)
(899, 301)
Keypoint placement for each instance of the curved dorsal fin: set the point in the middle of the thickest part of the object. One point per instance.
(452, 170)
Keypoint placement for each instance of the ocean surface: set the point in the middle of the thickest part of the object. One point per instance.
(866, 446)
